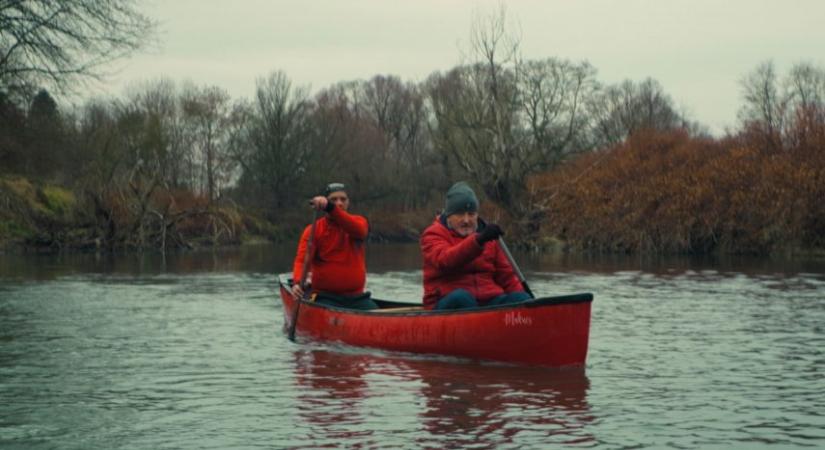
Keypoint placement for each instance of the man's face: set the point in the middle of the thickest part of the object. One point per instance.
(340, 199)
(463, 223)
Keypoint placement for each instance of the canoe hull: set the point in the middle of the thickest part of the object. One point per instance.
(551, 332)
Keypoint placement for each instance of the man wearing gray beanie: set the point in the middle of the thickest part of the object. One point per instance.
(464, 266)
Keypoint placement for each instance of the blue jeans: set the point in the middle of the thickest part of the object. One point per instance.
(461, 298)
(363, 301)
(512, 297)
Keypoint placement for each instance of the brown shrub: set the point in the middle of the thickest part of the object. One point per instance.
(669, 192)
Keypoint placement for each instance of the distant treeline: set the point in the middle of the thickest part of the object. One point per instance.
(557, 155)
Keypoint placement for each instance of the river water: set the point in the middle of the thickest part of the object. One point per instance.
(187, 352)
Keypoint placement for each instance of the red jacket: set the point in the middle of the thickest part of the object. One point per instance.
(452, 262)
(338, 261)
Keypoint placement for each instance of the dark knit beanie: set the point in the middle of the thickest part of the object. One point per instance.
(460, 198)
(334, 187)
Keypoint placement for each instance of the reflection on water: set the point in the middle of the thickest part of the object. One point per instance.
(381, 259)
(255, 258)
(458, 403)
(471, 404)
(186, 351)
(331, 400)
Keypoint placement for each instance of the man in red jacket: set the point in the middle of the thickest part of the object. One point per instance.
(337, 263)
(464, 266)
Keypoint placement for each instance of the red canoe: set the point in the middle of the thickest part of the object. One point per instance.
(549, 331)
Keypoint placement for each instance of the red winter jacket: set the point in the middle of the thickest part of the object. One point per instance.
(338, 263)
(452, 261)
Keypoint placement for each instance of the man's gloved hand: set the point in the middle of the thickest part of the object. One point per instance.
(489, 233)
(321, 203)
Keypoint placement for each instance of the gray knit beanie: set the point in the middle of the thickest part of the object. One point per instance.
(460, 198)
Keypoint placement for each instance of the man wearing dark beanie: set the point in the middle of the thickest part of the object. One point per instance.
(464, 266)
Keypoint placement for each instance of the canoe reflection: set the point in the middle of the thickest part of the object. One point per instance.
(332, 387)
(494, 404)
(464, 403)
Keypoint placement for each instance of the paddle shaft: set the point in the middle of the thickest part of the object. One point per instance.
(304, 273)
(515, 267)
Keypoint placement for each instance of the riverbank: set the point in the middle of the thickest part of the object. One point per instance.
(602, 213)
(44, 217)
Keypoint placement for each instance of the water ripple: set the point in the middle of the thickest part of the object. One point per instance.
(678, 359)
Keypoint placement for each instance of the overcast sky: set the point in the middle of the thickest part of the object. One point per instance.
(697, 49)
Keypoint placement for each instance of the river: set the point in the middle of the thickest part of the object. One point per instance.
(187, 351)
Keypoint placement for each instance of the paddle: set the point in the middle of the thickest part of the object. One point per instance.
(303, 282)
(515, 267)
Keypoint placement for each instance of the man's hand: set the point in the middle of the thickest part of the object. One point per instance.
(321, 203)
(489, 233)
(297, 292)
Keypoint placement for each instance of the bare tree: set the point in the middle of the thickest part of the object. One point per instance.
(348, 144)
(397, 110)
(774, 106)
(475, 108)
(103, 159)
(625, 108)
(503, 119)
(209, 110)
(554, 93)
(806, 85)
(157, 103)
(60, 42)
(277, 139)
(765, 107)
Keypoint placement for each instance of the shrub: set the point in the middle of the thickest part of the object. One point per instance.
(669, 192)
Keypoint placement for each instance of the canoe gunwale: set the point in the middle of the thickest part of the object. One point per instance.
(389, 305)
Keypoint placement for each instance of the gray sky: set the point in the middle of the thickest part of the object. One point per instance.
(697, 49)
